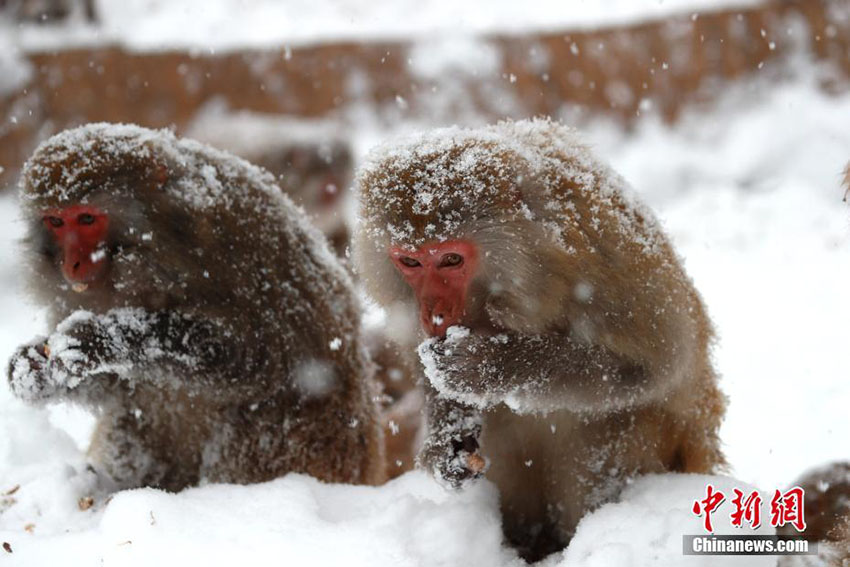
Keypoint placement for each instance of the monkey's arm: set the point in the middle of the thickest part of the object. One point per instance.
(450, 449)
(534, 373)
(114, 344)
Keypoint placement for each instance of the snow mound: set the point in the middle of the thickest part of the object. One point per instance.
(646, 526)
(293, 520)
(298, 520)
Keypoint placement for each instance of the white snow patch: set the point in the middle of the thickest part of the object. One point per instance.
(646, 526)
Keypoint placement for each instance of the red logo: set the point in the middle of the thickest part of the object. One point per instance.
(708, 505)
(785, 508)
(746, 509)
(788, 509)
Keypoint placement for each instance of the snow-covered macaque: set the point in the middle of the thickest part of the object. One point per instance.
(310, 158)
(827, 512)
(565, 350)
(196, 311)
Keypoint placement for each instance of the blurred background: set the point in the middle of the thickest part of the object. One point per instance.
(731, 118)
(240, 71)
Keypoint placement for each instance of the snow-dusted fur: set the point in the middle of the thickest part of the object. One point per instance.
(827, 514)
(222, 344)
(585, 355)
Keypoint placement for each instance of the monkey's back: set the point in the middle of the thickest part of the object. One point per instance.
(626, 289)
(629, 289)
(297, 307)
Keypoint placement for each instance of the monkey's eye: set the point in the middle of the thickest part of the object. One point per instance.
(55, 222)
(85, 218)
(409, 262)
(450, 260)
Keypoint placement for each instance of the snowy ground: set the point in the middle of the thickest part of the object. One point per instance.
(750, 194)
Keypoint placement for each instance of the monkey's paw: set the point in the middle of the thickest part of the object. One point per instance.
(27, 374)
(461, 366)
(455, 464)
(78, 349)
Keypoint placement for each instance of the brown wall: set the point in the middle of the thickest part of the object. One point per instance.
(670, 63)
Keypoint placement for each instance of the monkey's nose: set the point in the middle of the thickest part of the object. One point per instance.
(78, 267)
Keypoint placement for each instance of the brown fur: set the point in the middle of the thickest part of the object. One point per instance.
(242, 270)
(827, 501)
(827, 513)
(604, 372)
(841, 536)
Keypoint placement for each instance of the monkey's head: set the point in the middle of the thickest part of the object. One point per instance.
(108, 225)
(444, 222)
(315, 175)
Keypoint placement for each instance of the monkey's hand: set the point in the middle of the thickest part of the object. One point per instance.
(124, 340)
(60, 367)
(463, 366)
(80, 347)
(27, 374)
(453, 459)
(450, 452)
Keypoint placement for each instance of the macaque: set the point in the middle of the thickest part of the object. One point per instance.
(827, 512)
(565, 351)
(310, 158)
(195, 310)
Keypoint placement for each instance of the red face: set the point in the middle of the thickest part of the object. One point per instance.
(440, 274)
(80, 233)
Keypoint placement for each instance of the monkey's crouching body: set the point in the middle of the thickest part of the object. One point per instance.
(200, 315)
(567, 345)
(137, 443)
(551, 469)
